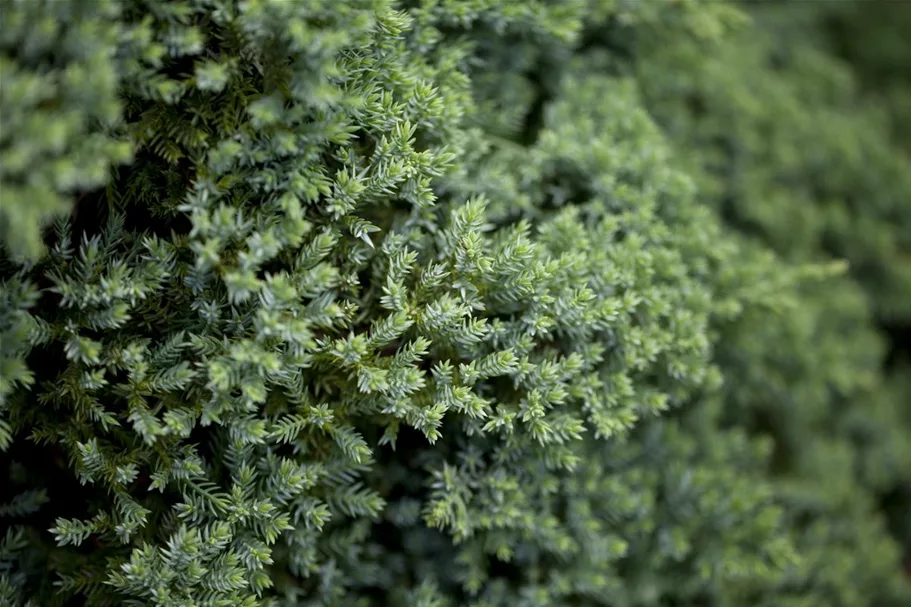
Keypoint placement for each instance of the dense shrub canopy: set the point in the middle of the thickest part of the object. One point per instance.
(445, 302)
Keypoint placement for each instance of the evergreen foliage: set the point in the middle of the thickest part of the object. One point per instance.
(446, 302)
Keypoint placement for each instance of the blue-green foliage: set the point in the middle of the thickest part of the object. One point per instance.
(376, 302)
(58, 62)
